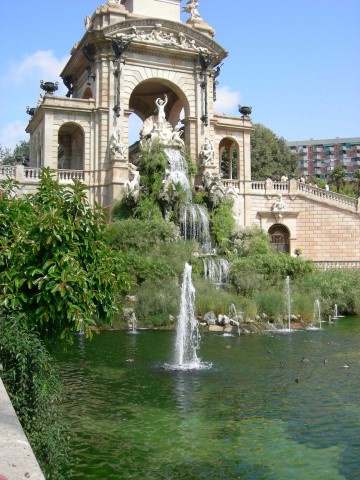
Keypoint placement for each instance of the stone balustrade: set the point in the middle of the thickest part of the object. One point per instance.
(66, 176)
(328, 195)
(328, 264)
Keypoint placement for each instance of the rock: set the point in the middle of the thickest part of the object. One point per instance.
(234, 323)
(215, 328)
(210, 318)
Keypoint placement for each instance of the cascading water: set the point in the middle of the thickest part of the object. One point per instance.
(194, 218)
(216, 269)
(178, 170)
(187, 333)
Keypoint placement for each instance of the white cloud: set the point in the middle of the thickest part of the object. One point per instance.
(13, 133)
(226, 100)
(42, 64)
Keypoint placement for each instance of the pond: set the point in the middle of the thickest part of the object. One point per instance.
(258, 413)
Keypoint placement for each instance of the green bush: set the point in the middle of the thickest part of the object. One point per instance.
(156, 300)
(144, 268)
(272, 303)
(141, 235)
(334, 286)
(222, 222)
(251, 241)
(210, 299)
(35, 391)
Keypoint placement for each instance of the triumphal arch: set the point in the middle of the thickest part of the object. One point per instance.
(134, 53)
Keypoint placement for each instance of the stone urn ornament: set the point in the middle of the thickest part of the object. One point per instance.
(245, 111)
(49, 87)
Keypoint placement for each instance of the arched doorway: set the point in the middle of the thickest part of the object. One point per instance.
(280, 238)
(229, 159)
(71, 147)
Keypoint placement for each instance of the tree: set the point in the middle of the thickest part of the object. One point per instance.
(338, 176)
(270, 155)
(356, 181)
(20, 152)
(55, 265)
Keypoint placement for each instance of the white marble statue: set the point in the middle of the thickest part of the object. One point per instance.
(192, 8)
(161, 104)
(176, 140)
(132, 185)
(207, 152)
(117, 147)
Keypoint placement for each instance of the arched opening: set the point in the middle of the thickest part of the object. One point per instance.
(71, 147)
(229, 159)
(280, 238)
(142, 103)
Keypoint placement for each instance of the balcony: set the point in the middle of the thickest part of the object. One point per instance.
(318, 149)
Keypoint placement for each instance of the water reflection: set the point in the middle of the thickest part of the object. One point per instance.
(244, 418)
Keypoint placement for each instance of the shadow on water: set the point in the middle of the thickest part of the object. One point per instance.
(258, 413)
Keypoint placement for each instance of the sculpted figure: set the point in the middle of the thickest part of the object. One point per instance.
(192, 8)
(279, 205)
(161, 104)
(117, 147)
(132, 185)
(176, 139)
(207, 152)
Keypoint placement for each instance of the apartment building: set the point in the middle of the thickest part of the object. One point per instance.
(319, 157)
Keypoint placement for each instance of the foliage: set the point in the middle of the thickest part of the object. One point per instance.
(20, 152)
(144, 268)
(222, 222)
(271, 302)
(55, 265)
(210, 299)
(356, 182)
(334, 286)
(136, 234)
(270, 156)
(34, 389)
(271, 268)
(251, 241)
(338, 176)
(156, 300)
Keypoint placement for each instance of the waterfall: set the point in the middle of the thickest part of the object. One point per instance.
(194, 218)
(195, 225)
(178, 170)
(216, 269)
(187, 333)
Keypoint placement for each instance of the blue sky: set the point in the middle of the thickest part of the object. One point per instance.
(296, 62)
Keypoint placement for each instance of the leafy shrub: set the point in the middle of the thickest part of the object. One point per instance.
(222, 222)
(251, 241)
(144, 268)
(140, 235)
(272, 303)
(335, 286)
(35, 391)
(210, 299)
(156, 300)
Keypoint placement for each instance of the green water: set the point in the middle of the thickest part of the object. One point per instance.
(245, 418)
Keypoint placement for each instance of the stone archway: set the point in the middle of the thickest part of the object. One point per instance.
(280, 238)
(71, 141)
(144, 95)
(229, 159)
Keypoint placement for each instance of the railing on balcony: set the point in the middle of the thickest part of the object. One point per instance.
(32, 173)
(7, 171)
(260, 186)
(327, 264)
(66, 176)
(328, 195)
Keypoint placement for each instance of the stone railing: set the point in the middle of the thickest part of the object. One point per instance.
(7, 171)
(344, 200)
(66, 176)
(32, 173)
(327, 264)
(258, 186)
(231, 183)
